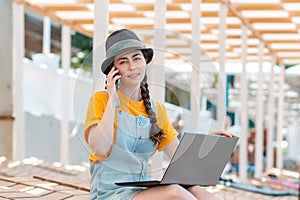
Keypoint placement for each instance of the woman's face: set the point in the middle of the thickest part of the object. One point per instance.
(131, 66)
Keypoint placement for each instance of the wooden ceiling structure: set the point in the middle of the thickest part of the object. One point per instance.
(274, 22)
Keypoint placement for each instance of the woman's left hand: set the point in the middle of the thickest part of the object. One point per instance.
(227, 134)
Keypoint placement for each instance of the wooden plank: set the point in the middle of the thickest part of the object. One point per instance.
(178, 20)
(79, 197)
(151, 7)
(269, 20)
(66, 7)
(276, 32)
(189, 1)
(283, 40)
(63, 183)
(294, 13)
(55, 195)
(243, 7)
(290, 1)
(85, 1)
(16, 195)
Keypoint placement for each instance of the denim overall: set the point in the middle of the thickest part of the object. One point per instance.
(128, 160)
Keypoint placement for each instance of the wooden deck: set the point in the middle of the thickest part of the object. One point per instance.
(44, 181)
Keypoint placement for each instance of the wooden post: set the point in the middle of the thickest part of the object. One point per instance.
(6, 80)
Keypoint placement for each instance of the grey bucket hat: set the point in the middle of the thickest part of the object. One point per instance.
(120, 42)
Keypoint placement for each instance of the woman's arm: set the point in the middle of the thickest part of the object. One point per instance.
(100, 136)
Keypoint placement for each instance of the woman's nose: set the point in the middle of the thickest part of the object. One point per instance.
(131, 66)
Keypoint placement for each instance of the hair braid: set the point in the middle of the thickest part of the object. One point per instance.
(155, 134)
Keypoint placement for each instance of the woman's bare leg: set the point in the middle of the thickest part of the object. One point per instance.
(201, 193)
(174, 192)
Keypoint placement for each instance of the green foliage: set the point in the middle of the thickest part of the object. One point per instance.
(82, 42)
(84, 45)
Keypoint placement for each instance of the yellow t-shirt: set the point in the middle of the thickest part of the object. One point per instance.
(97, 106)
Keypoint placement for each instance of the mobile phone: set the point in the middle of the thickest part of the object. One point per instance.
(117, 84)
(117, 81)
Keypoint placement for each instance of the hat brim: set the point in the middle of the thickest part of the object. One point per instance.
(107, 63)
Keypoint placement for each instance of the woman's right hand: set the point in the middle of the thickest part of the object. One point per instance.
(111, 80)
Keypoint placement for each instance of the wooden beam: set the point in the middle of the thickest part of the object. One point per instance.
(239, 46)
(288, 58)
(289, 1)
(215, 14)
(126, 15)
(246, 22)
(269, 20)
(151, 7)
(139, 26)
(283, 41)
(294, 14)
(65, 7)
(276, 32)
(287, 50)
(116, 1)
(18, 1)
(81, 21)
(178, 20)
(189, 1)
(85, 1)
(238, 36)
(243, 7)
(229, 26)
(42, 12)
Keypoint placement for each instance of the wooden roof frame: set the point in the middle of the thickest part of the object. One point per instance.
(235, 10)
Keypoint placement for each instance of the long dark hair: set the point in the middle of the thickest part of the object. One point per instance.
(156, 134)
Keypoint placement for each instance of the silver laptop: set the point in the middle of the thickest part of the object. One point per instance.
(199, 160)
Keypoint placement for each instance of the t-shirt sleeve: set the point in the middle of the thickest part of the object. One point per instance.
(166, 125)
(95, 111)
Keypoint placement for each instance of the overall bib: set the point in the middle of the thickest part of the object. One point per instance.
(128, 160)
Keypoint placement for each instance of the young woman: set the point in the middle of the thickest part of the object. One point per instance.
(125, 127)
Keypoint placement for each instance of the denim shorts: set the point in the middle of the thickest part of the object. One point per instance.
(125, 193)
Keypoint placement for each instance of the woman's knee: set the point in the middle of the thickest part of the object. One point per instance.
(196, 188)
(176, 191)
(200, 193)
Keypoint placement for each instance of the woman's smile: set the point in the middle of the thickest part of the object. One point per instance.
(134, 75)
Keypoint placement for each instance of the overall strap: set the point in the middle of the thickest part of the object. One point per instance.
(118, 103)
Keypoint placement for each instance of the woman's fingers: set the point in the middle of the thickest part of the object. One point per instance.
(225, 133)
(112, 77)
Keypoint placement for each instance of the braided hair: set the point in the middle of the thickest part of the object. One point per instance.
(156, 134)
